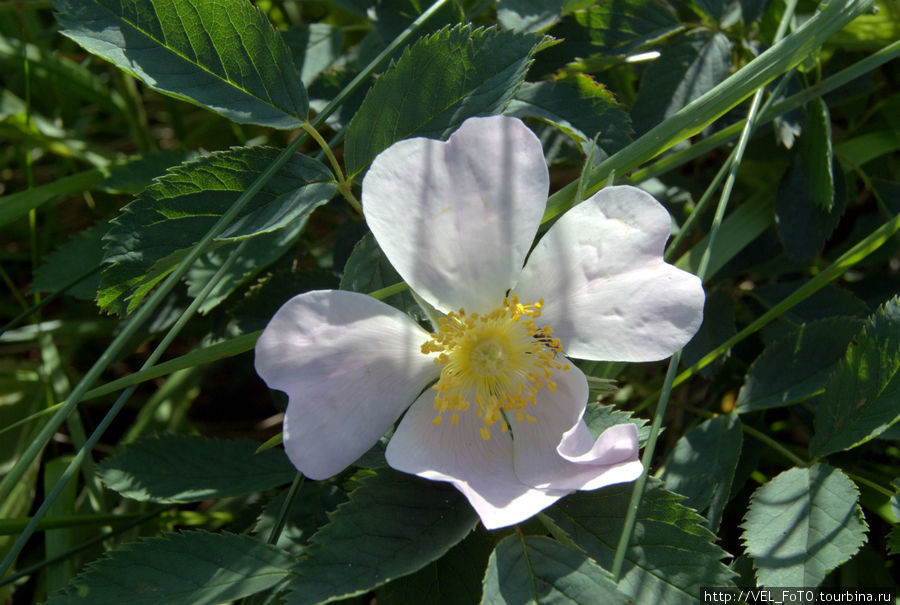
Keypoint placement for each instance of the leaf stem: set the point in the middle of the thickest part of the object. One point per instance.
(342, 182)
(534, 591)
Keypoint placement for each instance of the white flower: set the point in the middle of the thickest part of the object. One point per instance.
(503, 421)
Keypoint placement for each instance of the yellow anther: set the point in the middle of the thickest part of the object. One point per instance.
(499, 360)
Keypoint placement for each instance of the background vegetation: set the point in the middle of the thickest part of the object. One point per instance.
(155, 212)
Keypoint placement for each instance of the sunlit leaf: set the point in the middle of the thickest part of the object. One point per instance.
(154, 232)
(860, 399)
(440, 81)
(315, 46)
(656, 569)
(580, 107)
(801, 525)
(222, 55)
(528, 15)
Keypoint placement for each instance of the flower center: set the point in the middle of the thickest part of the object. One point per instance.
(498, 361)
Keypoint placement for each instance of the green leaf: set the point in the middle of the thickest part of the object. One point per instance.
(392, 525)
(436, 84)
(222, 55)
(454, 579)
(860, 399)
(528, 15)
(797, 365)
(580, 107)
(368, 269)
(535, 570)
(16, 205)
(254, 310)
(685, 70)
(701, 466)
(191, 568)
(717, 327)
(621, 27)
(893, 541)
(79, 255)
(188, 468)
(656, 568)
(258, 253)
(801, 525)
(816, 157)
(315, 47)
(136, 172)
(156, 230)
(600, 417)
(803, 225)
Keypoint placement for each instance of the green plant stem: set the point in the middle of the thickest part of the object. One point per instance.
(646, 460)
(16, 525)
(734, 162)
(144, 311)
(757, 434)
(726, 169)
(387, 291)
(773, 444)
(344, 184)
(869, 483)
(285, 509)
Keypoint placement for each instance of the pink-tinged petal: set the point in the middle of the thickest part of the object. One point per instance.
(350, 365)
(557, 451)
(481, 469)
(457, 218)
(608, 294)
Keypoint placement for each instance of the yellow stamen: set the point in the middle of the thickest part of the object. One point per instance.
(498, 360)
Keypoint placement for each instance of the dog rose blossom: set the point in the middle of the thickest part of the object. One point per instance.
(489, 399)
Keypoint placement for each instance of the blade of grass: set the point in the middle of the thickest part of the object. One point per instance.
(733, 163)
(731, 132)
(701, 112)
